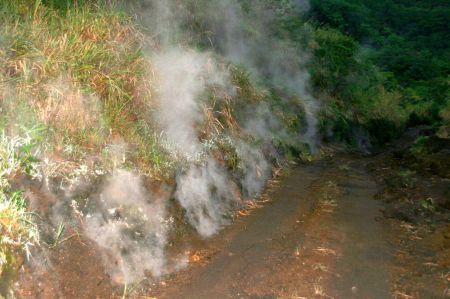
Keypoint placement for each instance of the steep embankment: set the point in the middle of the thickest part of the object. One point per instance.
(122, 135)
(319, 231)
(133, 130)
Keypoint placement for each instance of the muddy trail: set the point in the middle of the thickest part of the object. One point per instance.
(320, 235)
(320, 231)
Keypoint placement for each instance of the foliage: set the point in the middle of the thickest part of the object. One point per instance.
(408, 40)
(78, 69)
(17, 230)
(75, 71)
(359, 95)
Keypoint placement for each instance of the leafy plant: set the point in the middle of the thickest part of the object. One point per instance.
(420, 146)
(17, 154)
(428, 204)
(17, 230)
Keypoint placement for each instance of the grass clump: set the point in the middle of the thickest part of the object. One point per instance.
(17, 230)
(80, 71)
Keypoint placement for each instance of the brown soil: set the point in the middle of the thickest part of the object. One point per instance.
(320, 236)
(341, 227)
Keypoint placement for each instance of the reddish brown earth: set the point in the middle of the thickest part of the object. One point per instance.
(326, 230)
(320, 236)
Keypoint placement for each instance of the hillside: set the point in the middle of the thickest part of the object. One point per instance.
(133, 129)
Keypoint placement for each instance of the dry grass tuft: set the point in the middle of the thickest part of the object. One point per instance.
(67, 108)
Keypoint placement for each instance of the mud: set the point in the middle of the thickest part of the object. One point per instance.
(326, 229)
(320, 235)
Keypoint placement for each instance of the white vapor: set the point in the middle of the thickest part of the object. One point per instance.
(130, 227)
(185, 74)
(207, 195)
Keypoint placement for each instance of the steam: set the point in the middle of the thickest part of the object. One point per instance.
(184, 75)
(130, 227)
(130, 224)
(255, 167)
(278, 61)
(207, 196)
(202, 190)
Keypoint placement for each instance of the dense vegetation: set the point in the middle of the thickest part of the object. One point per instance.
(402, 46)
(76, 82)
(77, 99)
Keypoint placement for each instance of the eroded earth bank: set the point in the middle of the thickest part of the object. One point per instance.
(336, 227)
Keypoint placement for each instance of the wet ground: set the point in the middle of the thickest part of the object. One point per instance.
(319, 232)
(320, 235)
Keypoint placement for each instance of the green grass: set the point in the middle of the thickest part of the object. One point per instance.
(78, 71)
(92, 48)
(17, 230)
(75, 72)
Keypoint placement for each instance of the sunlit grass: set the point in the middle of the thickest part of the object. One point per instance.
(82, 74)
(17, 230)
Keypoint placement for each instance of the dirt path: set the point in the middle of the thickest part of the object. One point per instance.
(365, 253)
(319, 236)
